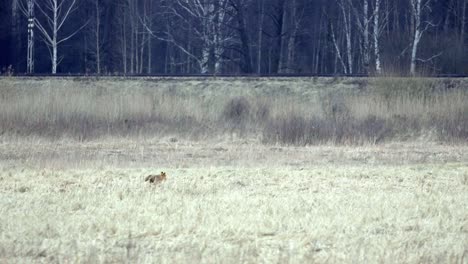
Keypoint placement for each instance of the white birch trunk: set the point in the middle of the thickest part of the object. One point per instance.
(132, 37)
(338, 51)
(204, 61)
(349, 50)
(213, 18)
(219, 14)
(30, 52)
(55, 21)
(416, 9)
(348, 32)
(378, 67)
(366, 46)
(54, 38)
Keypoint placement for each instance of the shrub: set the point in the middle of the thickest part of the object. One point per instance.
(237, 110)
(453, 129)
(291, 129)
(296, 130)
(374, 129)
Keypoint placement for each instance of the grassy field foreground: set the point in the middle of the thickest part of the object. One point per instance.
(361, 214)
(232, 202)
(278, 170)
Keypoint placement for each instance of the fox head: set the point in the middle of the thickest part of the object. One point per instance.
(163, 175)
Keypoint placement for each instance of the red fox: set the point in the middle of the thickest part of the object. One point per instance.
(156, 178)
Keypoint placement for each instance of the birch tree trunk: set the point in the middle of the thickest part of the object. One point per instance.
(54, 37)
(30, 53)
(416, 13)
(55, 22)
(132, 36)
(207, 20)
(366, 46)
(205, 58)
(378, 67)
(348, 32)
(149, 67)
(338, 51)
(346, 12)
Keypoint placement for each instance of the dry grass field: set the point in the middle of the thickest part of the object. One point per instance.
(232, 194)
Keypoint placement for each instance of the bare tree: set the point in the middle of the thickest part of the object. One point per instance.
(363, 25)
(148, 20)
(208, 22)
(94, 35)
(418, 9)
(30, 53)
(28, 12)
(347, 27)
(376, 35)
(56, 13)
(233, 36)
(366, 46)
(337, 49)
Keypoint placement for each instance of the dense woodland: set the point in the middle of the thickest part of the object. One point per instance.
(390, 37)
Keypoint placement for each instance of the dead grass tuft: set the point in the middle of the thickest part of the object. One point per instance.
(237, 110)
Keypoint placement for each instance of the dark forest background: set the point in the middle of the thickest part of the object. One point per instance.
(239, 36)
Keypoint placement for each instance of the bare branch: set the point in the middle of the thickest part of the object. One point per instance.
(73, 34)
(431, 58)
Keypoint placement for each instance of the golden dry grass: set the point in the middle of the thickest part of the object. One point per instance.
(319, 110)
(232, 202)
(74, 155)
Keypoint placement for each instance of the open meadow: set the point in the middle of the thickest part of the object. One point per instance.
(314, 170)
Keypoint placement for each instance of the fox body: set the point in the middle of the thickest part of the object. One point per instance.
(156, 178)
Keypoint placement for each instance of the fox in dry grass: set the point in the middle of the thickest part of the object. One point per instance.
(156, 178)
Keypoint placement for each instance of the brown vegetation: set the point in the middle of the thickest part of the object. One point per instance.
(71, 150)
(299, 112)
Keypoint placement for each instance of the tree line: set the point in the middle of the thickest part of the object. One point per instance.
(400, 37)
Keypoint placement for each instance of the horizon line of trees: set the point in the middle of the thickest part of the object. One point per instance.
(401, 37)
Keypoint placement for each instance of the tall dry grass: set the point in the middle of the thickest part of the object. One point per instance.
(326, 213)
(342, 111)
